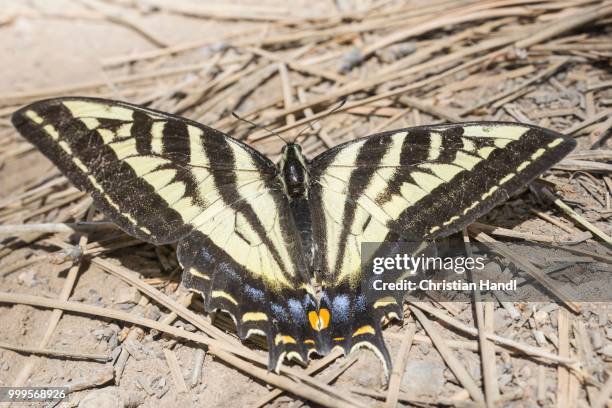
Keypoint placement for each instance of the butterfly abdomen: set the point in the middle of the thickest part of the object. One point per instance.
(294, 174)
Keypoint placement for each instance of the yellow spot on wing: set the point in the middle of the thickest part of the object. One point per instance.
(198, 156)
(489, 193)
(224, 295)
(254, 317)
(523, 165)
(199, 274)
(444, 171)
(435, 146)
(80, 164)
(107, 135)
(124, 148)
(485, 152)
(91, 123)
(187, 209)
(51, 132)
(537, 154)
(385, 302)
(501, 142)
(125, 130)
(172, 192)
(471, 207)
(412, 192)
(467, 161)
(242, 160)
(468, 144)
(145, 164)
(65, 146)
(367, 329)
(34, 117)
(280, 338)
(507, 178)
(157, 133)
(395, 206)
(555, 142)
(451, 220)
(427, 182)
(158, 179)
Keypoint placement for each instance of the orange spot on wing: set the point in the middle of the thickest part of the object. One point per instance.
(319, 321)
(324, 318)
(313, 318)
(280, 338)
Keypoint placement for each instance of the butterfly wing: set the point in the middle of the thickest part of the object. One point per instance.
(414, 184)
(164, 179)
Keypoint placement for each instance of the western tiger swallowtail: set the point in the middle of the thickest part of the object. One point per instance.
(252, 236)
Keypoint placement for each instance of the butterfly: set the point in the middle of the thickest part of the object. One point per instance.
(256, 239)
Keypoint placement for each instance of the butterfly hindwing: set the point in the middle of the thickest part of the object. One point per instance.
(164, 179)
(414, 184)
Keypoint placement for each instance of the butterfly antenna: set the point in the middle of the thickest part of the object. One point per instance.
(258, 126)
(311, 124)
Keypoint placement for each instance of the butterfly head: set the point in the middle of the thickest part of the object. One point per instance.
(293, 169)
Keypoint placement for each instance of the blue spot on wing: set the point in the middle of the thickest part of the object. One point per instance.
(228, 271)
(279, 312)
(254, 294)
(296, 309)
(207, 256)
(341, 307)
(360, 304)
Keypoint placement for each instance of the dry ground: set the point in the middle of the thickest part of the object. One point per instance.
(400, 64)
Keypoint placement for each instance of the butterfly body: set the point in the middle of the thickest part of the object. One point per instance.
(293, 168)
(252, 235)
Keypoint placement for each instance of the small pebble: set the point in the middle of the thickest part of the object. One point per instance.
(152, 312)
(127, 295)
(27, 278)
(350, 60)
(540, 317)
